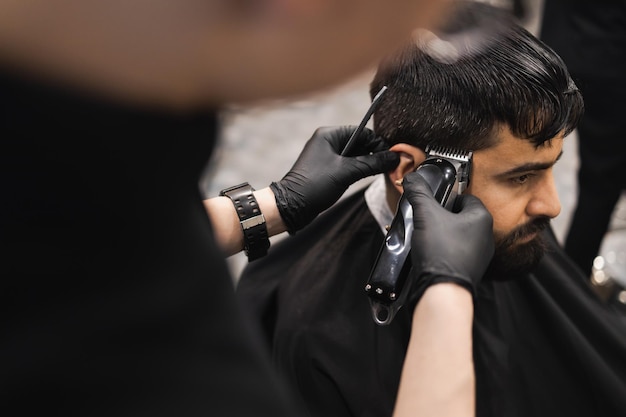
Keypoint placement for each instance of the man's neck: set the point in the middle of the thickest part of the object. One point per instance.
(378, 203)
(392, 195)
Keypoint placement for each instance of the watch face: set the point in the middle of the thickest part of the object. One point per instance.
(243, 187)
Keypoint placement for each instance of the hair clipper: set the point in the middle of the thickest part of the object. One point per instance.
(447, 171)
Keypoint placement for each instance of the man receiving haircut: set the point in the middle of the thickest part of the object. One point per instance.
(543, 344)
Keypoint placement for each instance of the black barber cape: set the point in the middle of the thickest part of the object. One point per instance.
(544, 345)
(115, 300)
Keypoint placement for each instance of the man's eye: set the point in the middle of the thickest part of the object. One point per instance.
(521, 179)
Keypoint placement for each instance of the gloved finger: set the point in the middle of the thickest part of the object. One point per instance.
(338, 136)
(474, 210)
(416, 188)
(469, 204)
(368, 142)
(375, 163)
(365, 141)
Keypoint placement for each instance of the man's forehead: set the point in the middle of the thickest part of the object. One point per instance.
(511, 152)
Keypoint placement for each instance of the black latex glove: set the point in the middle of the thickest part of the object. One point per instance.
(321, 175)
(447, 246)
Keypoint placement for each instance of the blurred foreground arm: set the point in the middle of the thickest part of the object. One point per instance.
(451, 252)
(185, 53)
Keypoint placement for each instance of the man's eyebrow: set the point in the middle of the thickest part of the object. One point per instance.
(532, 166)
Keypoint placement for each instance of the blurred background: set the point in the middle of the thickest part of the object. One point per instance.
(261, 142)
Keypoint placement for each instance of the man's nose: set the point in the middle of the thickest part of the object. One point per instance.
(545, 201)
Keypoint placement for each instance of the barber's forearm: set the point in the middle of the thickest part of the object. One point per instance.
(438, 373)
(226, 225)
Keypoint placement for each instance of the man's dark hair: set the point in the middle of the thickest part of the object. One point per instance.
(511, 78)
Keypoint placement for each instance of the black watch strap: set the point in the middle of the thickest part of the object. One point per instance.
(255, 238)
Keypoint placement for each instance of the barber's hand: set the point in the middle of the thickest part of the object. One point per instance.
(321, 175)
(447, 247)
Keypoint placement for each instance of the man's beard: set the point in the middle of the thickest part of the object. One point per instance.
(513, 259)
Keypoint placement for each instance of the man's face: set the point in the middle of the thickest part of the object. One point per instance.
(515, 182)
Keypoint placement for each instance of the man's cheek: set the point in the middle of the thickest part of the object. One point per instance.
(499, 236)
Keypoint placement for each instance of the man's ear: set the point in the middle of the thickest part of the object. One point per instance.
(410, 158)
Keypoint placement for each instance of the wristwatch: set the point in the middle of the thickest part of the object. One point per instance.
(255, 238)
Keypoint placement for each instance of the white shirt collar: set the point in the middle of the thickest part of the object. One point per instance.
(376, 200)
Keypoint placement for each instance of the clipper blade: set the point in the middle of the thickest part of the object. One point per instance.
(459, 158)
(448, 153)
